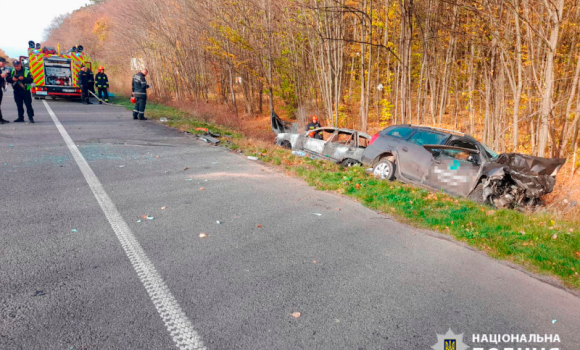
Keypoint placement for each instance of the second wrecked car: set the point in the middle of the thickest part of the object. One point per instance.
(342, 146)
(460, 165)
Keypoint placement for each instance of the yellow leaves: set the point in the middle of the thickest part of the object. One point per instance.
(101, 29)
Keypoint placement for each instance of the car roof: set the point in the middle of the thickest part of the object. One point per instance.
(363, 134)
(441, 130)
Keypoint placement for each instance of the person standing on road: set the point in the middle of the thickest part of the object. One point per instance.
(140, 93)
(102, 85)
(3, 76)
(21, 79)
(83, 81)
(91, 84)
(314, 125)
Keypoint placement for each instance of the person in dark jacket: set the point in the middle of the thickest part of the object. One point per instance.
(20, 78)
(102, 85)
(3, 76)
(314, 125)
(83, 81)
(91, 83)
(140, 93)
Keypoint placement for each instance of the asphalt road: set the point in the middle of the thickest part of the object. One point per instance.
(359, 279)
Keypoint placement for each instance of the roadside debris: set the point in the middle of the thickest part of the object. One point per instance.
(139, 221)
(203, 235)
(74, 230)
(209, 139)
(296, 314)
(163, 120)
(39, 293)
(163, 208)
(317, 214)
(299, 153)
(253, 158)
(258, 226)
(218, 222)
(186, 168)
(150, 217)
(554, 321)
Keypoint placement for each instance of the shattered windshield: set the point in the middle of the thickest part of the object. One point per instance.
(490, 153)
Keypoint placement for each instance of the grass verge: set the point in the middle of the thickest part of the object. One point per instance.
(539, 241)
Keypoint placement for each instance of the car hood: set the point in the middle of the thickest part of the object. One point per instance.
(517, 179)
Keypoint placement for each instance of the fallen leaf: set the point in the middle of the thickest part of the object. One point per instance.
(578, 255)
(201, 188)
(451, 222)
(314, 261)
(490, 212)
(203, 235)
(186, 168)
(357, 186)
(571, 230)
(296, 314)
(554, 236)
(157, 157)
(337, 209)
(522, 232)
(258, 226)
(144, 216)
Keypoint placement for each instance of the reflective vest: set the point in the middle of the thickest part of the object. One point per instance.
(25, 75)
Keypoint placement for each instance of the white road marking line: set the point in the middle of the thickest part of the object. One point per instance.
(177, 323)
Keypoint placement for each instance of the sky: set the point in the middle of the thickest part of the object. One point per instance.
(33, 16)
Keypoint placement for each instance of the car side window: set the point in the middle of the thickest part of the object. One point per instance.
(401, 132)
(428, 138)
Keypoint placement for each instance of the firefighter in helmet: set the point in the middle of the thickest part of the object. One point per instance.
(83, 81)
(102, 85)
(314, 125)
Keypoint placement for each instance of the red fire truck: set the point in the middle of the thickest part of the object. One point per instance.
(54, 73)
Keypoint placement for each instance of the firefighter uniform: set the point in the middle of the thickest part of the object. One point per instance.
(83, 81)
(140, 92)
(103, 85)
(22, 94)
(91, 81)
(312, 126)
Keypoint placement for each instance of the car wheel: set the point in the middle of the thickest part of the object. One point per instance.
(385, 170)
(349, 162)
(286, 144)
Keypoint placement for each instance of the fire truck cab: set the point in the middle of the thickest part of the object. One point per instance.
(54, 74)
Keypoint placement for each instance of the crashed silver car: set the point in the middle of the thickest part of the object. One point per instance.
(342, 146)
(460, 165)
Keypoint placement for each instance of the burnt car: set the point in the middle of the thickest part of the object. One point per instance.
(458, 164)
(342, 146)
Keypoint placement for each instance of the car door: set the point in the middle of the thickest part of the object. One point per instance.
(343, 142)
(452, 169)
(412, 159)
(315, 146)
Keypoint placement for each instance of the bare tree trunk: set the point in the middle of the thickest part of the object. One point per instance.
(548, 83)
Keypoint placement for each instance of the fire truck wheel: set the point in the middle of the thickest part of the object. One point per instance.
(53, 97)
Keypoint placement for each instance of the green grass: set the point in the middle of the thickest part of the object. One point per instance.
(535, 241)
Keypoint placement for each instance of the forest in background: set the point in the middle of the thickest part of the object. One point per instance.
(504, 71)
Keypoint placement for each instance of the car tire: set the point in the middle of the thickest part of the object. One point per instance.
(347, 163)
(286, 144)
(384, 169)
